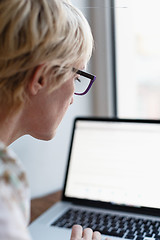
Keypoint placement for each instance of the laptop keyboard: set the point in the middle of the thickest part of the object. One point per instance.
(111, 225)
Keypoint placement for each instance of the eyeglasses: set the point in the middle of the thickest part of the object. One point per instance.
(83, 82)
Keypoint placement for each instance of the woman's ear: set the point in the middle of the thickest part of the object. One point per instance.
(37, 81)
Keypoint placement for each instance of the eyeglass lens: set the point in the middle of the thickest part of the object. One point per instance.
(81, 84)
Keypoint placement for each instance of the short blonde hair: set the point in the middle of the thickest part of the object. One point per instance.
(34, 32)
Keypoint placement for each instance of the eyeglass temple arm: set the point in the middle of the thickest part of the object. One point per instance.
(88, 75)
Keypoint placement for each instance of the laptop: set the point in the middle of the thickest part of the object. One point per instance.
(111, 184)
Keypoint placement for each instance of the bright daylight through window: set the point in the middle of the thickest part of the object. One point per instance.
(137, 37)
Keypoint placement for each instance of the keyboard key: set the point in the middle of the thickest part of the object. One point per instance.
(157, 236)
(148, 235)
(129, 237)
(139, 238)
(111, 233)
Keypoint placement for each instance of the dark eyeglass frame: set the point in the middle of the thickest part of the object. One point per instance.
(87, 75)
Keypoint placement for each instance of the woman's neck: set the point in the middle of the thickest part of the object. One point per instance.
(10, 128)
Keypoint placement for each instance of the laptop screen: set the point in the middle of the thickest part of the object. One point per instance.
(115, 161)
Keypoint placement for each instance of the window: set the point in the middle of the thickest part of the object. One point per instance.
(137, 52)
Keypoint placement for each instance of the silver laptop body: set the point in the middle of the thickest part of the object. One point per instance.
(112, 173)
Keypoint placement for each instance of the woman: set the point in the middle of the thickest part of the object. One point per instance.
(43, 43)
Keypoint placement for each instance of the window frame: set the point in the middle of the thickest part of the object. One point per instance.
(102, 21)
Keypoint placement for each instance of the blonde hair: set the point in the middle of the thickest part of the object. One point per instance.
(34, 32)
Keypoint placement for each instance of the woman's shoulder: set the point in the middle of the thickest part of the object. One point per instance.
(13, 182)
(11, 166)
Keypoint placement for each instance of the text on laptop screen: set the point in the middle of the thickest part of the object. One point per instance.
(115, 162)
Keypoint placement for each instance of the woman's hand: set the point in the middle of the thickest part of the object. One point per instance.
(87, 234)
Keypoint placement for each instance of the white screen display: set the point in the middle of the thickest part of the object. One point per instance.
(115, 162)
